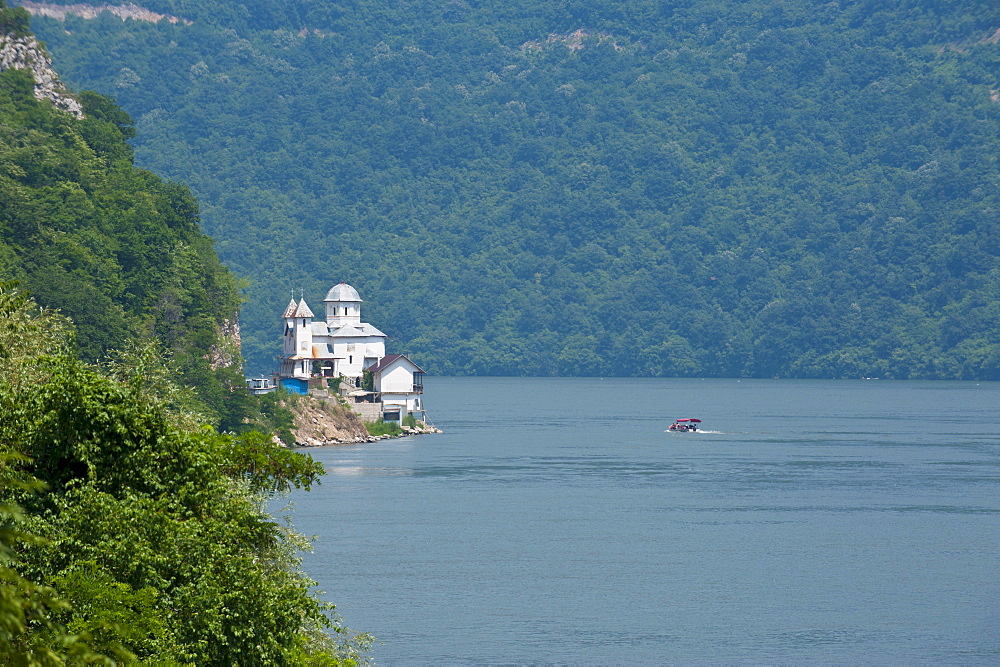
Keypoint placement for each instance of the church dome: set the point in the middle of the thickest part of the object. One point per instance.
(343, 292)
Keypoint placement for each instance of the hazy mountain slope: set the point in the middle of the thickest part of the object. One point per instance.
(683, 188)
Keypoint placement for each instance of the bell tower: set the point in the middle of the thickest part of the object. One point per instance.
(297, 339)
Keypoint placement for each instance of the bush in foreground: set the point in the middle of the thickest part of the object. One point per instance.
(132, 533)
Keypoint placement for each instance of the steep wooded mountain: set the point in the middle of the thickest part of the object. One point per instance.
(653, 187)
(130, 532)
(114, 248)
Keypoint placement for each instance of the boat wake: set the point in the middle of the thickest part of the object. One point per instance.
(691, 432)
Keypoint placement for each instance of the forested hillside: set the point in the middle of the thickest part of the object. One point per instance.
(653, 187)
(114, 248)
(131, 530)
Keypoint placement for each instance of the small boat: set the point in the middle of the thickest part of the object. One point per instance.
(685, 425)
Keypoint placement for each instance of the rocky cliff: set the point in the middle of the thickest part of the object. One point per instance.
(320, 421)
(24, 52)
(129, 11)
(226, 351)
(325, 421)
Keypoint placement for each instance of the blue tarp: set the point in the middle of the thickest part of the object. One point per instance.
(295, 386)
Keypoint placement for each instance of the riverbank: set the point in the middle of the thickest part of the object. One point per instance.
(320, 422)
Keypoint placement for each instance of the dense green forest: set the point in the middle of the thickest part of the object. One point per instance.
(112, 247)
(654, 187)
(132, 529)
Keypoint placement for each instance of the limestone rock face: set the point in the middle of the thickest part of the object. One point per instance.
(129, 11)
(225, 352)
(26, 53)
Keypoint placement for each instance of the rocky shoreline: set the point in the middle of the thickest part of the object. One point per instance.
(312, 442)
(320, 422)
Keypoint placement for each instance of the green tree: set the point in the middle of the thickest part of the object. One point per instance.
(152, 529)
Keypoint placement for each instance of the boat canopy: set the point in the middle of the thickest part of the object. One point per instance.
(689, 420)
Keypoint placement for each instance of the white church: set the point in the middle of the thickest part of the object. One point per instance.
(343, 345)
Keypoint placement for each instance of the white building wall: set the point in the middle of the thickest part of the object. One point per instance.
(412, 402)
(339, 313)
(395, 385)
(303, 346)
(352, 352)
(397, 380)
(289, 337)
(375, 348)
(303, 336)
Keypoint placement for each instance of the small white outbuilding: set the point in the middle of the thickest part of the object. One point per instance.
(399, 383)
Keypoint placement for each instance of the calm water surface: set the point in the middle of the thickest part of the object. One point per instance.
(556, 522)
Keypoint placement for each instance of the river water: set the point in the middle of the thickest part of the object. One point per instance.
(555, 521)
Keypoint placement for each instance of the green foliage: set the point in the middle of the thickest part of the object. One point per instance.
(151, 541)
(113, 248)
(111, 613)
(269, 468)
(367, 380)
(30, 632)
(129, 529)
(27, 333)
(410, 421)
(694, 188)
(14, 20)
(30, 636)
(380, 427)
(275, 417)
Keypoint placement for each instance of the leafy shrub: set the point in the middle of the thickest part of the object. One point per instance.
(381, 427)
(151, 538)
